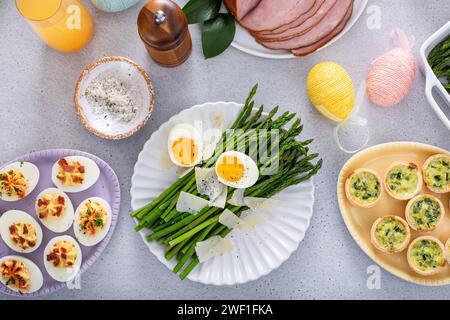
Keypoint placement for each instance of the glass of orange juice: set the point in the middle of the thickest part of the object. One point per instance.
(64, 25)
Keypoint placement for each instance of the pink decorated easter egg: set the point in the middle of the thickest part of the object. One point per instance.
(391, 77)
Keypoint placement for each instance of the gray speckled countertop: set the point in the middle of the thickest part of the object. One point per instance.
(37, 113)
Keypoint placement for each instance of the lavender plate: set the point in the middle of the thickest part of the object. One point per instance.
(107, 187)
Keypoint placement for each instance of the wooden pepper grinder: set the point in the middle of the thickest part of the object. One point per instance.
(163, 27)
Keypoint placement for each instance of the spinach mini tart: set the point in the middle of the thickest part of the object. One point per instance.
(424, 212)
(390, 234)
(403, 180)
(436, 173)
(447, 250)
(426, 255)
(363, 188)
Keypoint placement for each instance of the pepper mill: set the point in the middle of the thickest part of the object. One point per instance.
(163, 27)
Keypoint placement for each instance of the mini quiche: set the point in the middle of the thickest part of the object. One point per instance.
(424, 212)
(363, 188)
(426, 255)
(390, 234)
(436, 173)
(447, 250)
(403, 181)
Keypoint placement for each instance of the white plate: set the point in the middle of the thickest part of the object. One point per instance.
(256, 252)
(431, 80)
(246, 43)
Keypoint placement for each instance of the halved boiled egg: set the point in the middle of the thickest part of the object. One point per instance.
(92, 221)
(75, 173)
(236, 170)
(62, 258)
(54, 209)
(17, 180)
(20, 231)
(185, 145)
(20, 274)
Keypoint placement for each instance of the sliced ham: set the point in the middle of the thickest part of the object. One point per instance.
(272, 14)
(303, 27)
(319, 44)
(296, 22)
(240, 8)
(321, 30)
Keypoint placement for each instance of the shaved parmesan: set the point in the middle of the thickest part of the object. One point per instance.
(248, 219)
(260, 203)
(212, 247)
(221, 200)
(237, 199)
(252, 219)
(208, 184)
(230, 220)
(189, 203)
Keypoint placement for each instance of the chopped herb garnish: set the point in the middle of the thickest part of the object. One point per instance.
(98, 221)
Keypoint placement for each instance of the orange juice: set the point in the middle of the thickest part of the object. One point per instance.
(64, 25)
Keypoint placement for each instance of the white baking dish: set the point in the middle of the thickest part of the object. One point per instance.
(431, 79)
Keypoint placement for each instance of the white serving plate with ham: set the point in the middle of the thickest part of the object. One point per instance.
(245, 42)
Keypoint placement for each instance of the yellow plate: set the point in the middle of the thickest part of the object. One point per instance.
(360, 220)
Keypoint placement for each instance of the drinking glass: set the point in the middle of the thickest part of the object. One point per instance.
(64, 25)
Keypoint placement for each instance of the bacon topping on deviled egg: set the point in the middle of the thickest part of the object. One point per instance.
(70, 173)
(62, 254)
(15, 275)
(23, 235)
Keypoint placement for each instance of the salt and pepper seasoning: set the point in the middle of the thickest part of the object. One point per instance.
(163, 27)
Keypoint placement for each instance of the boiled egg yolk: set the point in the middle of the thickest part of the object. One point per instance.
(62, 254)
(15, 275)
(51, 205)
(93, 218)
(185, 151)
(70, 173)
(23, 235)
(231, 169)
(13, 183)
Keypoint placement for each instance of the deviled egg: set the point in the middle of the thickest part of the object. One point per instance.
(54, 209)
(17, 180)
(20, 231)
(185, 145)
(403, 180)
(20, 274)
(363, 188)
(92, 221)
(75, 173)
(236, 170)
(62, 258)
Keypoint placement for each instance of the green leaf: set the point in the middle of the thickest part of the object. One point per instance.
(217, 35)
(198, 11)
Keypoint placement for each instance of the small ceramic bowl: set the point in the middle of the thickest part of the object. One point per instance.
(132, 75)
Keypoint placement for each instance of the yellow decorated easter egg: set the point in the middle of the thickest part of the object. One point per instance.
(331, 91)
